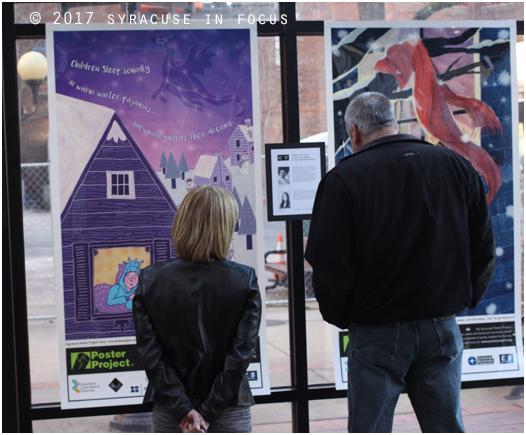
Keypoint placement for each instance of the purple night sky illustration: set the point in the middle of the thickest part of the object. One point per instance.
(140, 118)
(169, 87)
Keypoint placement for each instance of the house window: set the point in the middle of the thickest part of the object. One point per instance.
(252, 148)
(120, 185)
(215, 179)
(238, 143)
(227, 178)
(238, 157)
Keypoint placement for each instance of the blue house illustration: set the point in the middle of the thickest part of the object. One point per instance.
(212, 171)
(116, 221)
(242, 140)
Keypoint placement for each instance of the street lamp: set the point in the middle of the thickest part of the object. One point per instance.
(32, 67)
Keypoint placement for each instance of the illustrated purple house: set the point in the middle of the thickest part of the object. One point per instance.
(212, 171)
(242, 139)
(117, 203)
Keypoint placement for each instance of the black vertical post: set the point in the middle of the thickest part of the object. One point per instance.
(10, 407)
(298, 330)
(131, 9)
(17, 409)
(295, 265)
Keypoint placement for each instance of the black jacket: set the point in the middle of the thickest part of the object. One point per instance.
(400, 231)
(197, 330)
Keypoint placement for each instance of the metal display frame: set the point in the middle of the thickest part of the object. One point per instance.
(18, 411)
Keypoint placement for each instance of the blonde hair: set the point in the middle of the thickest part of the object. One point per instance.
(204, 224)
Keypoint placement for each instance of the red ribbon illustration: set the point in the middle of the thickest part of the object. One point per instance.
(431, 103)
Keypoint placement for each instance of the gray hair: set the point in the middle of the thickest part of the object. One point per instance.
(369, 112)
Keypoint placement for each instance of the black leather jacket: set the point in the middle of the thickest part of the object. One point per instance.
(197, 330)
(400, 231)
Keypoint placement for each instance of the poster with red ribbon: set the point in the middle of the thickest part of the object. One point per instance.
(452, 84)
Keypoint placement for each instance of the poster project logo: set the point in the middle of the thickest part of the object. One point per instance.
(80, 360)
(94, 360)
(103, 359)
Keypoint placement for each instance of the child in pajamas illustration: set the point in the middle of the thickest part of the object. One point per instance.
(123, 292)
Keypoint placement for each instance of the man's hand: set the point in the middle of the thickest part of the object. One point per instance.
(193, 422)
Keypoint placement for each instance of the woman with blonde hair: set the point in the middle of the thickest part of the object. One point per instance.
(196, 320)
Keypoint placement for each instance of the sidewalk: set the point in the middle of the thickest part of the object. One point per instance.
(483, 419)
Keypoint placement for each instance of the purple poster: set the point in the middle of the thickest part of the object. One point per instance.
(139, 118)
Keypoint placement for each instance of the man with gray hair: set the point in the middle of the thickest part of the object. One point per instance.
(400, 242)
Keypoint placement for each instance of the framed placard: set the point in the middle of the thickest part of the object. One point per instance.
(294, 171)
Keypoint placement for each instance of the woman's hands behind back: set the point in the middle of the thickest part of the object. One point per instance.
(193, 422)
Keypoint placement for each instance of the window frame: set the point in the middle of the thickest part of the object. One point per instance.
(110, 185)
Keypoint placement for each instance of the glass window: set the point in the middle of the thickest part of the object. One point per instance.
(100, 424)
(34, 126)
(313, 128)
(274, 282)
(38, 236)
(312, 77)
(328, 415)
(312, 95)
(272, 418)
(398, 11)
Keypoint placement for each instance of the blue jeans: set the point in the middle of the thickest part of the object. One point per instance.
(424, 356)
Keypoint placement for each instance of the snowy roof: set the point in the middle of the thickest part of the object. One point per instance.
(80, 126)
(205, 166)
(248, 132)
(116, 134)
